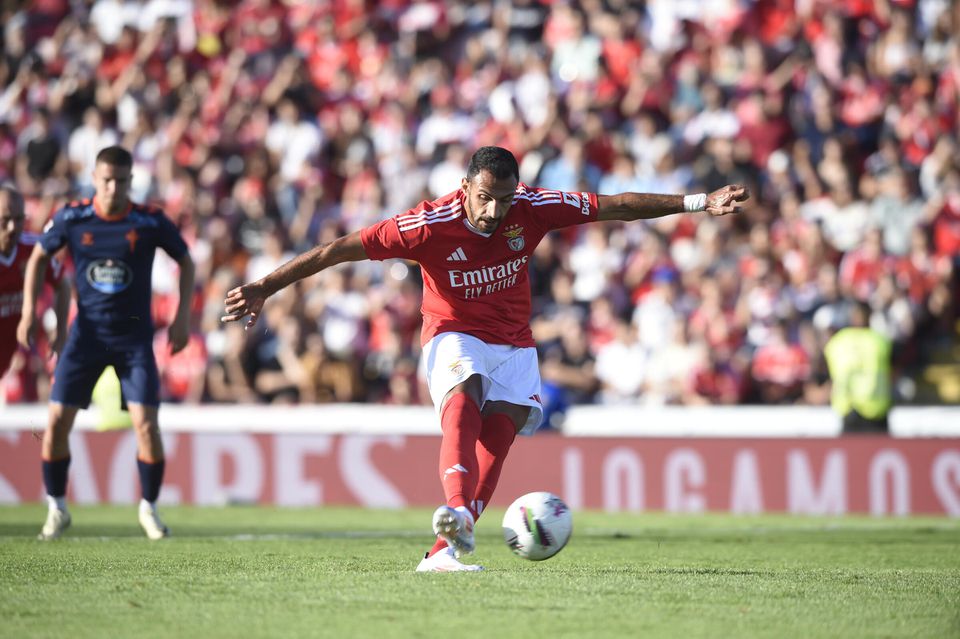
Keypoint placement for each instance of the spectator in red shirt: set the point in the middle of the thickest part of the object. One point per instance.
(780, 367)
(861, 268)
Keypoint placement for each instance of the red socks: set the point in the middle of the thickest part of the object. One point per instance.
(461, 424)
(488, 439)
(496, 437)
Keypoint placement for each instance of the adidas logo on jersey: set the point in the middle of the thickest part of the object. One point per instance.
(457, 256)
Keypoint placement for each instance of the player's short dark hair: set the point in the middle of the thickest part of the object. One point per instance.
(497, 160)
(115, 156)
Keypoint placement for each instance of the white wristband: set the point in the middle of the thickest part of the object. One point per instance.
(695, 202)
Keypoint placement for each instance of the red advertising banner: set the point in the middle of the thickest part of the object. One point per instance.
(875, 475)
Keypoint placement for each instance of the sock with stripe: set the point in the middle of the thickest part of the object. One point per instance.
(496, 437)
(461, 423)
(494, 443)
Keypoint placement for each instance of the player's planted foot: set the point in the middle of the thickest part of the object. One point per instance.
(57, 521)
(456, 526)
(445, 561)
(151, 524)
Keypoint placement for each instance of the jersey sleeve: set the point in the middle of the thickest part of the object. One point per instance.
(169, 238)
(560, 209)
(54, 235)
(384, 240)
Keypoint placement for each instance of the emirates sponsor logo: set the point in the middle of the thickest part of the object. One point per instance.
(487, 274)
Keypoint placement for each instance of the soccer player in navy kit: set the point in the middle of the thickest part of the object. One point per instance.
(112, 241)
(473, 246)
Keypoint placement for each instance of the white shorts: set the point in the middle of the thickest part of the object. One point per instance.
(507, 373)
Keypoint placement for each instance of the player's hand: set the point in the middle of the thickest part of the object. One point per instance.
(178, 335)
(727, 199)
(242, 301)
(26, 331)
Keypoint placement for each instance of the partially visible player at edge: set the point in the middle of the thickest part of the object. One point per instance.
(113, 242)
(15, 249)
(474, 246)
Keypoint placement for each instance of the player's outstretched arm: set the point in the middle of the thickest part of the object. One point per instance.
(32, 283)
(628, 207)
(249, 298)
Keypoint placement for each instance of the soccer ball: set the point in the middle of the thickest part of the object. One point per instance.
(537, 526)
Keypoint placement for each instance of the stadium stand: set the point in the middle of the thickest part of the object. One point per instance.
(263, 127)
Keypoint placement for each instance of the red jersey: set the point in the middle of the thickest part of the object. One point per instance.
(12, 270)
(475, 283)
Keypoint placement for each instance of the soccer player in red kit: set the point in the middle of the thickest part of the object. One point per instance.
(474, 246)
(15, 249)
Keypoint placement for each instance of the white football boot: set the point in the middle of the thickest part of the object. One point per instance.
(455, 525)
(445, 561)
(150, 522)
(57, 521)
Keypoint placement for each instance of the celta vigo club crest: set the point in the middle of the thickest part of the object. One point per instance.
(514, 235)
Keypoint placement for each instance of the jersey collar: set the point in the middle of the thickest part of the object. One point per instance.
(103, 216)
(473, 229)
(7, 261)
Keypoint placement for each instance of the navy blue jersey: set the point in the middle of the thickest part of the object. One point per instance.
(114, 262)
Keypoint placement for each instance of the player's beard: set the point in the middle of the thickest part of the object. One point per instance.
(481, 225)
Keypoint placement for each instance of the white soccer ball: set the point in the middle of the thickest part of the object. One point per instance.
(537, 526)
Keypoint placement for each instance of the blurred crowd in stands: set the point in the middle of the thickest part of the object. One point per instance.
(263, 127)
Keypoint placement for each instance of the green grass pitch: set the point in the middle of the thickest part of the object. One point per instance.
(243, 572)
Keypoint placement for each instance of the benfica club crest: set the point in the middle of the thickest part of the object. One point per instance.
(514, 234)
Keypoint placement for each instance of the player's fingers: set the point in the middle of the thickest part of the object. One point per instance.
(235, 307)
(251, 321)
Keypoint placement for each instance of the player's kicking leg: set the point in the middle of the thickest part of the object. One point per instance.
(461, 424)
